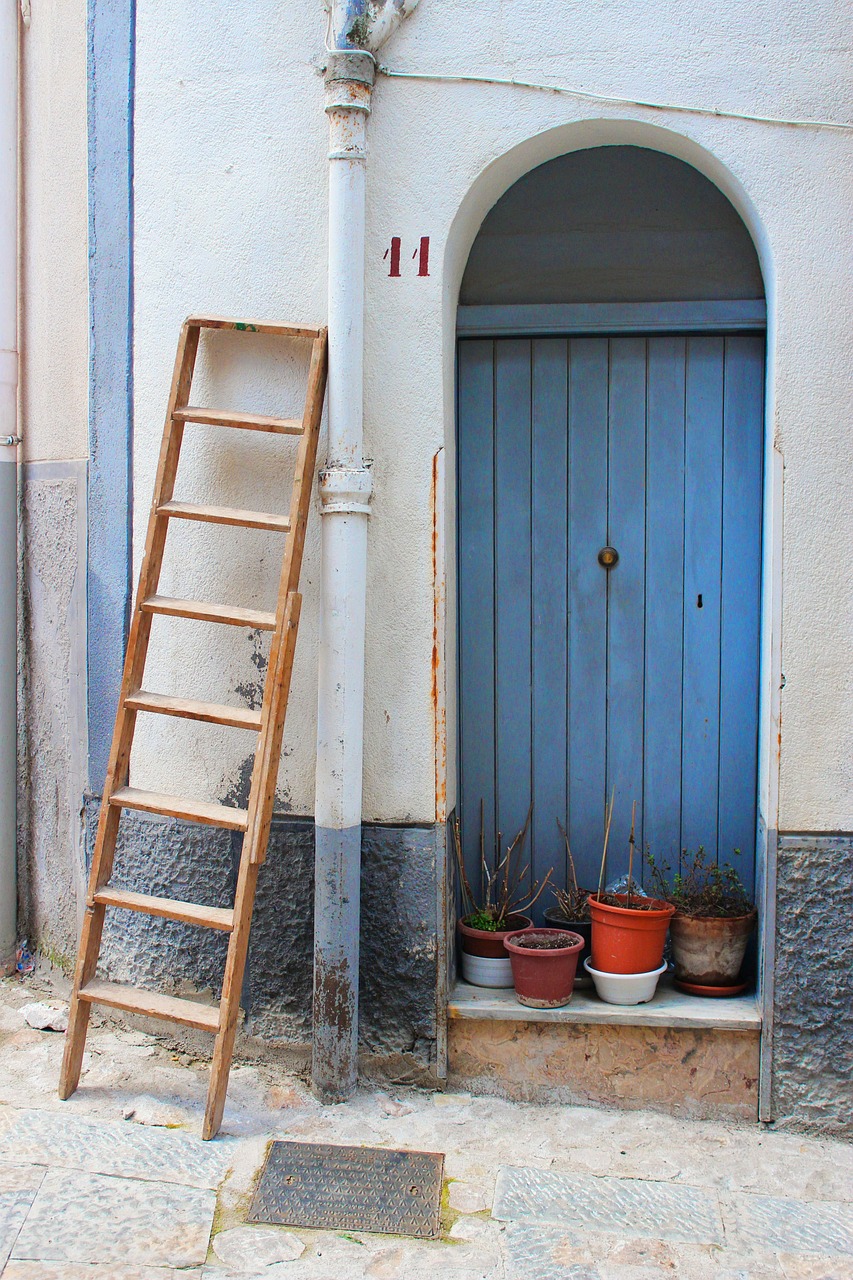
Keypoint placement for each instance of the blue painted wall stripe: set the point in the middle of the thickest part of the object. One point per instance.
(111, 69)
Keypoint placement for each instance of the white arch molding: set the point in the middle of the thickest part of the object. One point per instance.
(501, 174)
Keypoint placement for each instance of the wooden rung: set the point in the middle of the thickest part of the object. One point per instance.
(248, 421)
(205, 611)
(253, 326)
(189, 1012)
(190, 709)
(225, 515)
(168, 908)
(215, 815)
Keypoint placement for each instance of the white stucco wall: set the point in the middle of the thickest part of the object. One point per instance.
(230, 217)
(54, 324)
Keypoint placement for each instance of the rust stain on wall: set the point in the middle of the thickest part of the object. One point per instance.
(439, 603)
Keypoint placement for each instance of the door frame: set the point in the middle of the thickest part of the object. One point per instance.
(745, 315)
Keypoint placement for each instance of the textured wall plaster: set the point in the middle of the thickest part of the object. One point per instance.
(813, 1014)
(196, 864)
(702, 1073)
(246, 149)
(52, 705)
(54, 327)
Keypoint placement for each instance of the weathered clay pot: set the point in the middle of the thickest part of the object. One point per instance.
(626, 939)
(544, 979)
(485, 963)
(709, 950)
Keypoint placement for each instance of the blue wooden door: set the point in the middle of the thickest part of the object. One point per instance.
(575, 679)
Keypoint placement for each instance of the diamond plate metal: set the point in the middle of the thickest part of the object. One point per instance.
(307, 1184)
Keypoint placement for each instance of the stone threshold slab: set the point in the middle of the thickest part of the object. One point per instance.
(670, 1008)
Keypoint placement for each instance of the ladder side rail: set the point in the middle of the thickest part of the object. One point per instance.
(118, 767)
(265, 772)
(149, 577)
(303, 479)
(264, 778)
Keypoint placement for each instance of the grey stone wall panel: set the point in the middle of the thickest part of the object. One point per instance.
(813, 1008)
(198, 864)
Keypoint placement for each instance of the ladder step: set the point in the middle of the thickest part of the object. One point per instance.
(206, 611)
(214, 815)
(168, 908)
(226, 515)
(190, 709)
(190, 1012)
(253, 326)
(248, 421)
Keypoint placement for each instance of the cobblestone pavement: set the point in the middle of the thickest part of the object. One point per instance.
(115, 1184)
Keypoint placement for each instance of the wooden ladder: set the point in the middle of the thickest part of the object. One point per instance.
(267, 724)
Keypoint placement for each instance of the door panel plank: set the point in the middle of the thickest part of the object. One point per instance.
(588, 379)
(626, 591)
(549, 605)
(476, 597)
(741, 599)
(665, 599)
(513, 651)
(702, 569)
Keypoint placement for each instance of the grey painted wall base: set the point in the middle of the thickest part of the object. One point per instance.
(399, 951)
(52, 764)
(813, 1013)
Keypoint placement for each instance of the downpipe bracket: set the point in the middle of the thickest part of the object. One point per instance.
(346, 489)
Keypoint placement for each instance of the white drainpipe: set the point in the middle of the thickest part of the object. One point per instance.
(345, 492)
(8, 466)
(355, 26)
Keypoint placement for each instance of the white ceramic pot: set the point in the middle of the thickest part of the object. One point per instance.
(625, 988)
(486, 971)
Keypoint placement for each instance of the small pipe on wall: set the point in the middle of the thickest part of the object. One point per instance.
(8, 467)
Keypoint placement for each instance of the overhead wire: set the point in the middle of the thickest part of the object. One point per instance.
(613, 99)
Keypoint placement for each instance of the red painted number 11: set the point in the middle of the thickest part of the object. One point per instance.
(421, 253)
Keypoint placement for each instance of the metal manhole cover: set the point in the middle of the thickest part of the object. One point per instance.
(308, 1184)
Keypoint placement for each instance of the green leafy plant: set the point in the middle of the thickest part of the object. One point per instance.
(702, 888)
(502, 892)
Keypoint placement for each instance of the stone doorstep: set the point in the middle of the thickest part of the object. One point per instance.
(670, 1008)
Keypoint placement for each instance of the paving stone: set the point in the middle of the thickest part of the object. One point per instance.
(656, 1210)
(789, 1226)
(113, 1147)
(81, 1217)
(14, 1207)
(470, 1197)
(249, 1248)
(535, 1252)
(81, 1271)
(797, 1267)
(21, 1177)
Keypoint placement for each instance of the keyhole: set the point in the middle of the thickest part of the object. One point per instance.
(699, 602)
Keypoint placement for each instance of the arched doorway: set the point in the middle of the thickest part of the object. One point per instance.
(610, 394)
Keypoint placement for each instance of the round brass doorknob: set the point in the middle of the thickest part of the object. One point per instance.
(608, 557)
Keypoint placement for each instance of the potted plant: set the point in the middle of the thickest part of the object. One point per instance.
(713, 921)
(628, 929)
(543, 966)
(498, 910)
(572, 910)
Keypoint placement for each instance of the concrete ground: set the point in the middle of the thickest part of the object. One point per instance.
(115, 1184)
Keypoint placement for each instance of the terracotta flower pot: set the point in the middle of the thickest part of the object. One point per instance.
(544, 979)
(709, 950)
(485, 963)
(626, 939)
